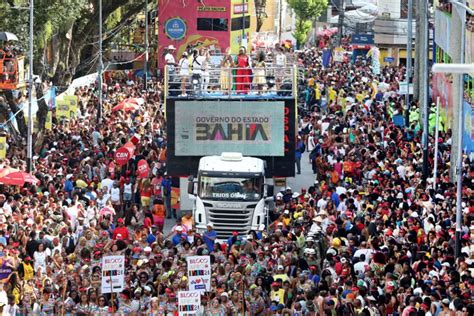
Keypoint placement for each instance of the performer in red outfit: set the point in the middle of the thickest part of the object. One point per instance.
(243, 73)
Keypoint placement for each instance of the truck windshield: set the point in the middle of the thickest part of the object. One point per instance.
(222, 188)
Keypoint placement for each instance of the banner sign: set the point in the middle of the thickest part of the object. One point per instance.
(199, 273)
(143, 169)
(241, 8)
(49, 121)
(189, 302)
(212, 127)
(211, 9)
(113, 274)
(124, 154)
(442, 38)
(339, 54)
(363, 39)
(3, 147)
(67, 107)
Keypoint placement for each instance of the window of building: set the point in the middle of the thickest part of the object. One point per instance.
(208, 24)
(240, 23)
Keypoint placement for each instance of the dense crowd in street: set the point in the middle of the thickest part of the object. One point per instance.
(368, 237)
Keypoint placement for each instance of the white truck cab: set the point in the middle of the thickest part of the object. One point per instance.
(230, 192)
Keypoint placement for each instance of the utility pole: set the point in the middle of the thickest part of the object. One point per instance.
(340, 25)
(422, 8)
(243, 24)
(418, 58)
(101, 64)
(280, 13)
(408, 65)
(457, 148)
(145, 66)
(29, 139)
(458, 44)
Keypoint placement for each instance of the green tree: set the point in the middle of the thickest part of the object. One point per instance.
(307, 11)
(66, 32)
(65, 37)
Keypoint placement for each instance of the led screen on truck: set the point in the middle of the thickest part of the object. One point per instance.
(265, 129)
(253, 128)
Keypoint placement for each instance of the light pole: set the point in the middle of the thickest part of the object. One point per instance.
(145, 66)
(101, 65)
(460, 70)
(29, 139)
(409, 50)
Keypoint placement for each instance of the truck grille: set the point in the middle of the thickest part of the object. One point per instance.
(228, 221)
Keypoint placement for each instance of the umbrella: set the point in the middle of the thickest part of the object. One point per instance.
(7, 36)
(7, 170)
(126, 105)
(18, 178)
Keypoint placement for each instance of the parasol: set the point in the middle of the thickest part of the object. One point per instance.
(126, 105)
(18, 178)
(7, 36)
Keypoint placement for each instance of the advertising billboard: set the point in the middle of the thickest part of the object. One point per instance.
(252, 128)
(258, 128)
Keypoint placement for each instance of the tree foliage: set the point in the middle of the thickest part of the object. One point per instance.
(307, 11)
(67, 30)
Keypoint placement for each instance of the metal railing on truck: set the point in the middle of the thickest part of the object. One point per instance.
(229, 82)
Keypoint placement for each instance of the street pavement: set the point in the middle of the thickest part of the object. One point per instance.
(303, 180)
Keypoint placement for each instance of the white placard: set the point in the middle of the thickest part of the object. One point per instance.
(339, 54)
(199, 273)
(189, 302)
(113, 274)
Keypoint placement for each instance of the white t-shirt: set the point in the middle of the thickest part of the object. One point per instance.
(127, 188)
(280, 60)
(184, 67)
(107, 183)
(359, 267)
(115, 194)
(197, 64)
(169, 58)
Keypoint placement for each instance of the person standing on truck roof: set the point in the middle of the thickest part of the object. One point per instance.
(170, 61)
(205, 68)
(184, 72)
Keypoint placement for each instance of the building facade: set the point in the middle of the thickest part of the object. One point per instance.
(448, 49)
(214, 24)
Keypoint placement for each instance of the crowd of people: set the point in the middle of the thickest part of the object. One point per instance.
(368, 237)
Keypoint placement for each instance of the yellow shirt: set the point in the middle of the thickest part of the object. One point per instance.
(360, 97)
(278, 296)
(332, 94)
(317, 93)
(283, 277)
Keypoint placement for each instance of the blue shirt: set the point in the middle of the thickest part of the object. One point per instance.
(210, 242)
(335, 198)
(166, 184)
(176, 239)
(299, 148)
(68, 186)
